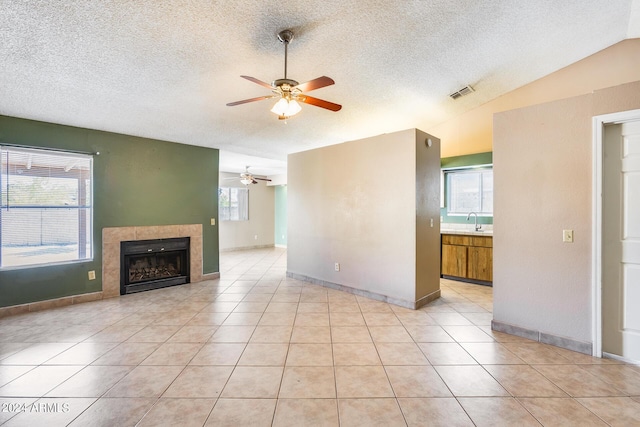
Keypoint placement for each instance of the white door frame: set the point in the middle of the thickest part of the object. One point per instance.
(596, 240)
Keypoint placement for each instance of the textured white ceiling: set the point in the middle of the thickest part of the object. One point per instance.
(166, 69)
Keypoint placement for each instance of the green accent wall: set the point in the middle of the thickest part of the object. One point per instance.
(280, 237)
(137, 182)
(460, 162)
(467, 160)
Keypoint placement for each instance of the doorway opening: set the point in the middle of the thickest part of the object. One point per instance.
(616, 236)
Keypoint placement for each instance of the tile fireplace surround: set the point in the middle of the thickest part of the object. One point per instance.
(113, 236)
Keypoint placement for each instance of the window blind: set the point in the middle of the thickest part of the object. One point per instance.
(45, 207)
(470, 190)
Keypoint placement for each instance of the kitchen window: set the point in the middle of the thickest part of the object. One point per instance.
(233, 204)
(469, 190)
(46, 210)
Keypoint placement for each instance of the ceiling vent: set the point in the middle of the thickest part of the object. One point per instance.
(462, 92)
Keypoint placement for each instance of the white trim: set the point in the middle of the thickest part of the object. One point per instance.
(470, 167)
(596, 237)
(480, 215)
(596, 228)
(31, 149)
(620, 358)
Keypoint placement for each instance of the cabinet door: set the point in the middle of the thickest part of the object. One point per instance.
(454, 260)
(480, 263)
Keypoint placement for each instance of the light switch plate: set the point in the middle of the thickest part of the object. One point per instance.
(213, 221)
(92, 275)
(567, 236)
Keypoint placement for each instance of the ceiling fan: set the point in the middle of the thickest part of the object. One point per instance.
(247, 178)
(290, 91)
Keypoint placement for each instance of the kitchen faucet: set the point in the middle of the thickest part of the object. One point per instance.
(477, 227)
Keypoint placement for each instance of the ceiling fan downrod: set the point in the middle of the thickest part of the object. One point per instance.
(285, 36)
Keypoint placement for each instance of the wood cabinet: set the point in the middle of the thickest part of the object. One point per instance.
(480, 263)
(454, 260)
(467, 257)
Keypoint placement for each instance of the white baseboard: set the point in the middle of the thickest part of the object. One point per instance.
(620, 358)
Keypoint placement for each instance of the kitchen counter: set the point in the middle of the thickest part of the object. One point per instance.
(464, 232)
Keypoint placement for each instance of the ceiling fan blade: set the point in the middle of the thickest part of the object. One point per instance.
(315, 84)
(261, 179)
(260, 82)
(319, 103)
(244, 101)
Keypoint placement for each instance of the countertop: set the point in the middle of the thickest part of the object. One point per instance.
(464, 232)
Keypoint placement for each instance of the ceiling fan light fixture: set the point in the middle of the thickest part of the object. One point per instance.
(286, 108)
(293, 108)
(246, 181)
(280, 107)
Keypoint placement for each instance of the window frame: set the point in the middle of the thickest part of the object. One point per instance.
(228, 217)
(479, 169)
(89, 229)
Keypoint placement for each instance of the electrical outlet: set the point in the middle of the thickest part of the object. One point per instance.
(213, 221)
(337, 266)
(567, 236)
(255, 237)
(92, 275)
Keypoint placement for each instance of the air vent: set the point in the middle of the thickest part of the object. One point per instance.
(462, 92)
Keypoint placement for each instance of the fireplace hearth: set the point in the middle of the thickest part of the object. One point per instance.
(153, 264)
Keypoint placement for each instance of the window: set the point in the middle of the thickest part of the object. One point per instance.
(233, 204)
(45, 207)
(469, 190)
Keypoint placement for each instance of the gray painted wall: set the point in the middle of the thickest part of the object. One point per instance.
(543, 184)
(427, 209)
(356, 204)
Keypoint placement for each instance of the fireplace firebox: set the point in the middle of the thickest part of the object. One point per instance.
(153, 264)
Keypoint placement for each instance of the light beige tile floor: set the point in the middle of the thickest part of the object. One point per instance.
(255, 348)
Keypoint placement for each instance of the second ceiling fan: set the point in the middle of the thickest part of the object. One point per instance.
(247, 177)
(289, 91)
